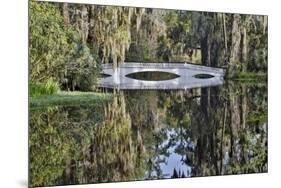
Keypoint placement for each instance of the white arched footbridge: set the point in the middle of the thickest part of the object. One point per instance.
(186, 76)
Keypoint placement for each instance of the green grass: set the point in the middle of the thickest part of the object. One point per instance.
(249, 83)
(245, 76)
(70, 98)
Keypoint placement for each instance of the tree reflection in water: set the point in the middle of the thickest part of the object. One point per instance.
(151, 135)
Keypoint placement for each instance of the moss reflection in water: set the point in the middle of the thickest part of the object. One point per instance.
(82, 144)
(143, 134)
(59, 138)
(115, 155)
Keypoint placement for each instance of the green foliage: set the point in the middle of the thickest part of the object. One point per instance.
(177, 43)
(143, 45)
(164, 50)
(68, 45)
(81, 70)
(111, 35)
(48, 41)
(171, 19)
(257, 117)
(49, 87)
(258, 44)
(186, 121)
(57, 50)
(258, 60)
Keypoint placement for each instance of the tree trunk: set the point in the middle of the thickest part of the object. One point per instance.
(235, 119)
(84, 24)
(205, 51)
(224, 33)
(264, 24)
(234, 59)
(222, 139)
(65, 12)
(244, 106)
(244, 53)
(205, 36)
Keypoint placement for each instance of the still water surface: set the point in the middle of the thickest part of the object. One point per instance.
(142, 135)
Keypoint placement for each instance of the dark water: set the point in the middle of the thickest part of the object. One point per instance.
(203, 76)
(151, 135)
(152, 75)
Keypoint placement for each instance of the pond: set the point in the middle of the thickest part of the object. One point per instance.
(156, 134)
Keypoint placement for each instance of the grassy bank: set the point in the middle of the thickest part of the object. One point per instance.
(251, 76)
(70, 98)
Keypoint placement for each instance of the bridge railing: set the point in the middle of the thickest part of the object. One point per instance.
(168, 66)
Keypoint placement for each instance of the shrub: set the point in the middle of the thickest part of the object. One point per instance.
(43, 89)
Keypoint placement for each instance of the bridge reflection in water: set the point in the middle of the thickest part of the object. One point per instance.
(188, 76)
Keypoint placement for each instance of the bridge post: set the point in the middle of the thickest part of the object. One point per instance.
(116, 76)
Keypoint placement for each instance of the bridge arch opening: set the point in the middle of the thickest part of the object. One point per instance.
(203, 76)
(103, 75)
(152, 75)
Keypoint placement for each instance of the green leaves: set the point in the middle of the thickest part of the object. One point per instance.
(175, 44)
(48, 41)
(58, 52)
